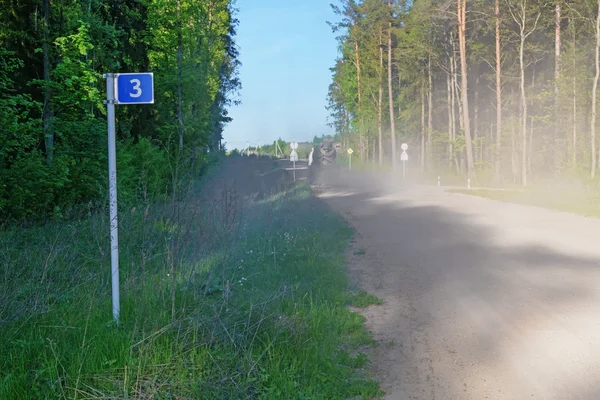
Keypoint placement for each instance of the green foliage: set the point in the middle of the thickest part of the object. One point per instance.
(53, 151)
(144, 171)
(18, 136)
(260, 313)
(278, 148)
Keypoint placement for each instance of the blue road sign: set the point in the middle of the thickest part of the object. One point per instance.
(135, 88)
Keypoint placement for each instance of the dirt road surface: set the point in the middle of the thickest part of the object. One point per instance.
(483, 300)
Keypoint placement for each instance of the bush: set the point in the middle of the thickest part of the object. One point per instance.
(143, 171)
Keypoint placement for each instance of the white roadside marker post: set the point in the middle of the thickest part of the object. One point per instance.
(404, 159)
(112, 189)
(350, 151)
(294, 156)
(127, 88)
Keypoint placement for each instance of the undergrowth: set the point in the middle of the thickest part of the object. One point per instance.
(226, 300)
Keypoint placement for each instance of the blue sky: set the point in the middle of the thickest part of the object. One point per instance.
(286, 48)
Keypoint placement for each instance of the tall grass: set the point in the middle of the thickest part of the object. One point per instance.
(229, 298)
(582, 202)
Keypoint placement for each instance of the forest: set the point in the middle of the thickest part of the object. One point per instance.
(501, 91)
(53, 150)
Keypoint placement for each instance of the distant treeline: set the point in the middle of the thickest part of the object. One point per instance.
(503, 89)
(281, 148)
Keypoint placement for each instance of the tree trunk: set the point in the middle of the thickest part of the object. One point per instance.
(361, 147)
(399, 86)
(530, 147)
(457, 92)
(557, 136)
(488, 149)
(450, 120)
(513, 143)
(373, 151)
(380, 106)
(179, 72)
(453, 95)
(574, 125)
(594, 90)
(357, 57)
(461, 120)
(454, 99)
(429, 152)
(47, 111)
(391, 92)
(462, 21)
(557, 46)
(358, 83)
(574, 102)
(476, 155)
(530, 153)
(422, 128)
(521, 20)
(523, 110)
(498, 94)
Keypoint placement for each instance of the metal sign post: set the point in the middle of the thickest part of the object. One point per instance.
(350, 151)
(404, 159)
(294, 155)
(120, 89)
(112, 189)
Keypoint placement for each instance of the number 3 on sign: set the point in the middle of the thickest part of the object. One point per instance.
(135, 88)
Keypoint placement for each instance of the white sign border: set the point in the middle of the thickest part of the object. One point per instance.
(116, 81)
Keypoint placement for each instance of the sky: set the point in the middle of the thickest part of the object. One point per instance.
(286, 49)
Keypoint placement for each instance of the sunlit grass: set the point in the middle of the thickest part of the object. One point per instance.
(577, 203)
(259, 313)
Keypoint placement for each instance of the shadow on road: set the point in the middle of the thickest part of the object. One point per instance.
(467, 315)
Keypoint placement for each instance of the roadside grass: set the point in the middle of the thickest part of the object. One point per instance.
(569, 201)
(362, 299)
(231, 299)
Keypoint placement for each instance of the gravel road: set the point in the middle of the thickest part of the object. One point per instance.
(483, 300)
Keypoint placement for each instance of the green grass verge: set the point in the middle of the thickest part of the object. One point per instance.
(362, 299)
(582, 204)
(214, 306)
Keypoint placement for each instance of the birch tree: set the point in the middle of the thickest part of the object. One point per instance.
(520, 13)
